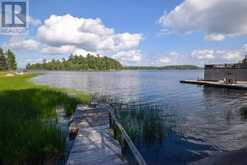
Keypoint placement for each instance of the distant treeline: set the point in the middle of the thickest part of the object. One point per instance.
(7, 60)
(98, 63)
(168, 67)
(89, 62)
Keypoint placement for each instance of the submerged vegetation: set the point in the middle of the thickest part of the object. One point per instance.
(144, 124)
(243, 112)
(89, 62)
(29, 133)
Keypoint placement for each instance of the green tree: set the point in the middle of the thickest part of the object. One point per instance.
(1, 51)
(28, 66)
(11, 60)
(89, 62)
(3, 62)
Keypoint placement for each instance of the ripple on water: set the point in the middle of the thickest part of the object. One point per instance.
(194, 122)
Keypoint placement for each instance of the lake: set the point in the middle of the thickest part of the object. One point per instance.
(192, 123)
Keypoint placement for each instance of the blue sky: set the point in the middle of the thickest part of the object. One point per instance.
(135, 32)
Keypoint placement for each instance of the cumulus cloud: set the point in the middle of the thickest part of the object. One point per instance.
(67, 49)
(128, 57)
(245, 47)
(214, 37)
(216, 19)
(67, 34)
(203, 54)
(200, 57)
(164, 60)
(218, 55)
(233, 56)
(88, 34)
(19, 43)
(84, 53)
(169, 59)
(59, 49)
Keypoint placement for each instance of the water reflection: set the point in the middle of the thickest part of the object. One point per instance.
(243, 112)
(156, 135)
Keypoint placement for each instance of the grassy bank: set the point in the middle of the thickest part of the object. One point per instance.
(27, 136)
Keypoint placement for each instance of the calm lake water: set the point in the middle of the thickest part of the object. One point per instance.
(193, 122)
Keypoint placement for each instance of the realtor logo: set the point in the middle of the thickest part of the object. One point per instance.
(14, 15)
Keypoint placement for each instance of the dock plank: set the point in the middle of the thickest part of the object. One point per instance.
(218, 84)
(94, 143)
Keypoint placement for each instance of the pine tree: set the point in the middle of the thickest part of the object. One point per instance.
(1, 51)
(3, 62)
(11, 60)
(28, 66)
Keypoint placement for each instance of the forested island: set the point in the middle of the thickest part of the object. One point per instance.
(98, 63)
(87, 63)
(167, 67)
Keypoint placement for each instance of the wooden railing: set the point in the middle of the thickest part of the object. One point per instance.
(126, 143)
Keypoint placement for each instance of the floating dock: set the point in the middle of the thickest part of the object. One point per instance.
(218, 84)
(94, 143)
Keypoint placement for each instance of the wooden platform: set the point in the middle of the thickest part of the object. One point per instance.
(94, 144)
(242, 85)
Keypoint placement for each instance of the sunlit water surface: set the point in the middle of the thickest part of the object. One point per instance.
(195, 121)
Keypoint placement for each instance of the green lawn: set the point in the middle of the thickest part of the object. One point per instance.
(27, 136)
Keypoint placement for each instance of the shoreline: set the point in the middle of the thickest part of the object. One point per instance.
(31, 113)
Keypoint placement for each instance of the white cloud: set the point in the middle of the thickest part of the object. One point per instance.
(233, 56)
(128, 57)
(19, 43)
(59, 49)
(87, 34)
(84, 53)
(164, 60)
(214, 37)
(245, 47)
(220, 56)
(31, 60)
(203, 54)
(199, 57)
(217, 19)
(126, 41)
(67, 34)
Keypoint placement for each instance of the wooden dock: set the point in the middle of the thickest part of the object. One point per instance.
(218, 84)
(94, 144)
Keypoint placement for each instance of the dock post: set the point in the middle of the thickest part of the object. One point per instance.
(110, 120)
(123, 146)
(114, 130)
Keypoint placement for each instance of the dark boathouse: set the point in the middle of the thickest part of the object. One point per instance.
(229, 73)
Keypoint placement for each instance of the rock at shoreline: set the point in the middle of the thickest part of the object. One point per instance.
(10, 75)
(73, 133)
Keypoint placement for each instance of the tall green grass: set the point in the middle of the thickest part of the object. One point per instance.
(26, 135)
